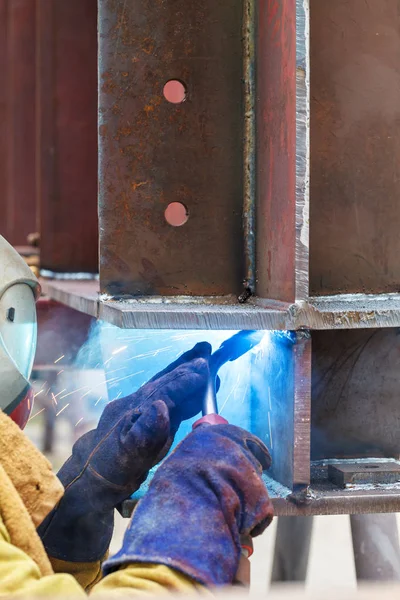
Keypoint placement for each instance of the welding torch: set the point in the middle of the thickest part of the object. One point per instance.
(230, 350)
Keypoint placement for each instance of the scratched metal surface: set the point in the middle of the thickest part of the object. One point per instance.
(152, 152)
(355, 166)
(302, 148)
(335, 312)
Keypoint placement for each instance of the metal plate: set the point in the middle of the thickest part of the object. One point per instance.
(355, 157)
(348, 474)
(153, 152)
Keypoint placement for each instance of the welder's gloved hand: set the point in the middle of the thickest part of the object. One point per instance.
(109, 463)
(201, 499)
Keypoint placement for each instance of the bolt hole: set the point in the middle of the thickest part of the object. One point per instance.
(371, 467)
(176, 214)
(174, 91)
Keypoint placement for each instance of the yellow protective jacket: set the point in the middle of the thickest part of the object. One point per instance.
(28, 491)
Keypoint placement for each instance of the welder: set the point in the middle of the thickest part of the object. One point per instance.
(55, 533)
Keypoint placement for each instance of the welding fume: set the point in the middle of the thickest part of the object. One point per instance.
(205, 503)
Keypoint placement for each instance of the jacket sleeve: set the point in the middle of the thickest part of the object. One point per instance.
(20, 577)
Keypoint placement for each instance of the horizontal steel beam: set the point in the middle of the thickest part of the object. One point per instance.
(335, 312)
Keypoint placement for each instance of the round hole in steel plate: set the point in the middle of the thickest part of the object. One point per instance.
(174, 91)
(176, 214)
(371, 467)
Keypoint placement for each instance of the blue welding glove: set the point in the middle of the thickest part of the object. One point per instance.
(201, 499)
(109, 463)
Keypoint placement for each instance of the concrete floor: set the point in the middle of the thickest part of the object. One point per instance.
(331, 561)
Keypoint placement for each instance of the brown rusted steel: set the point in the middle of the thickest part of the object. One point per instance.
(153, 152)
(17, 120)
(276, 149)
(355, 408)
(67, 145)
(355, 152)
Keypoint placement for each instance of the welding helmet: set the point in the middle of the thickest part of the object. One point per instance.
(19, 290)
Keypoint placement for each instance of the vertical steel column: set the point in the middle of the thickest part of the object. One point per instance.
(17, 120)
(376, 547)
(292, 549)
(67, 140)
(159, 152)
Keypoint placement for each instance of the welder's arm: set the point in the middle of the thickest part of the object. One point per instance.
(20, 577)
(109, 463)
(201, 500)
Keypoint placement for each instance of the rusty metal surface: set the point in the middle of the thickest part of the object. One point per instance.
(17, 120)
(67, 145)
(355, 408)
(355, 166)
(348, 474)
(276, 148)
(249, 145)
(153, 152)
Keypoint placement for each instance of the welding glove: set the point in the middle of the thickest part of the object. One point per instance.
(109, 463)
(201, 499)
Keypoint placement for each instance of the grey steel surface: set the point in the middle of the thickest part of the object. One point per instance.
(376, 547)
(292, 549)
(347, 474)
(334, 312)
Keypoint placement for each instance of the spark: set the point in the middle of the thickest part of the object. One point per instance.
(269, 398)
(73, 392)
(119, 350)
(36, 414)
(63, 408)
(245, 394)
(270, 430)
(108, 360)
(116, 380)
(45, 383)
(227, 398)
(60, 358)
(150, 353)
(59, 372)
(119, 395)
(77, 423)
(29, 403)
(38, 393)
(115, 370)
(54, 399)
(97, 401)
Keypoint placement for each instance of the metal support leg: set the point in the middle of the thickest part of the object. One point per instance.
(376, 547)
(292, 548)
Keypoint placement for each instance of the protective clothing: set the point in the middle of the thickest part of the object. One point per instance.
(27, 487)
(109, 463)
(19, 289)
(201, 499)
